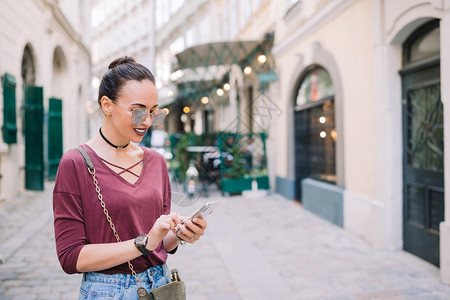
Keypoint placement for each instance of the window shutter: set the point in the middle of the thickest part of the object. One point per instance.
(9, 109)
(55, 136)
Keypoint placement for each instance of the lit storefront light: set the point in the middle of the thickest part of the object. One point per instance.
(166, 110)
(219, 92)
(248, 70)
(205, 100)
(334, 134)
(186, 109)
(227, 87)
(322, 120)
(262, 58)
(323, 134)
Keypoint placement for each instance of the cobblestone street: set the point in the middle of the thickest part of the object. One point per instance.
(255, 248)
(30, 264)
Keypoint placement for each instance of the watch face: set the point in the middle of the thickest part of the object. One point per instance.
(140, 240)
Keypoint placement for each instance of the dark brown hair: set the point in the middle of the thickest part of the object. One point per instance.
(120, 71)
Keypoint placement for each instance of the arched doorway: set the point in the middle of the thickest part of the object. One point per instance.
(423, 143)
(314, 127)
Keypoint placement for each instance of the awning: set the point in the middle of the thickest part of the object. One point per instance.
(215, 54)
(202, 69)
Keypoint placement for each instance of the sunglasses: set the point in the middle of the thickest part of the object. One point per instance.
(138, 115)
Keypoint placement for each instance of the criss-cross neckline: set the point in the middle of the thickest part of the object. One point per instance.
(122, 168)
(112, 172)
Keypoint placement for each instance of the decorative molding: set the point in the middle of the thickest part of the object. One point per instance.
(65, 24)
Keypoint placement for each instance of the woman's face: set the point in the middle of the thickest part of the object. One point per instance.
(133, 95)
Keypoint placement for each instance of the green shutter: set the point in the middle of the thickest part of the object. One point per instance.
(9, 109)
(34, 138)
(55, 136)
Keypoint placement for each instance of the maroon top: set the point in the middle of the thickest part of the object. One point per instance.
(134, 208)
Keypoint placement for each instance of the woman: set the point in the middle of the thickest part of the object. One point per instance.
(136, 191)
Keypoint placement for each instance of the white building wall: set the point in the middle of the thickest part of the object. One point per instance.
(42, 25)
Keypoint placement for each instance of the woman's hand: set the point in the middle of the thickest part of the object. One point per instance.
(163, 225)
(191, 231)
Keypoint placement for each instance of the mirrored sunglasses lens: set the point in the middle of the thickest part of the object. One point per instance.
(139, 115)
(157, 117)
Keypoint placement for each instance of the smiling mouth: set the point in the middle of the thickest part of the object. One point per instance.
(140, 130)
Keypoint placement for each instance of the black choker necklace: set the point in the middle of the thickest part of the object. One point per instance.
(111, 144)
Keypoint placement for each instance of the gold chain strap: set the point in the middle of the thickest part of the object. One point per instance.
(111, 224)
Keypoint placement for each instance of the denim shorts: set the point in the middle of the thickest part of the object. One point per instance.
(122, 286)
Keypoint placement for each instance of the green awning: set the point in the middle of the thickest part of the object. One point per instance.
(216, 54)
(202, 69)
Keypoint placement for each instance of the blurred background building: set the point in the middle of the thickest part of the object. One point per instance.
(337, 104)
(45, 74)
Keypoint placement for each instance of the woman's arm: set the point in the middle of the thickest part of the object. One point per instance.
(97, 257)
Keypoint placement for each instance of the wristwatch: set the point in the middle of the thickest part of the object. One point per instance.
(140, 242)
(181, 241)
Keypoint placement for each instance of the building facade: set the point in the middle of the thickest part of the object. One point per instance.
(353, 104)
(45, 69)
(364, 133)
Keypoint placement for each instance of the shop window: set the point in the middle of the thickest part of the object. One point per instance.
(315, 132)
(315, 85)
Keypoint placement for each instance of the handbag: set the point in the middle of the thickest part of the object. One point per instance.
(176, 290)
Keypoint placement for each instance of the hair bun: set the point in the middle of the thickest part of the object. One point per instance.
(121, 60)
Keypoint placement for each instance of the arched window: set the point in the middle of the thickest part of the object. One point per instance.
(425, 43)
(28, 66)
(316, 85)
(315, 132)
(59, 80)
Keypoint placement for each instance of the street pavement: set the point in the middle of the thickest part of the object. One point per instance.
(256, 247)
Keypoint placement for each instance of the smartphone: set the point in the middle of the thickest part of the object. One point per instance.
(202, 212)
(205, 210)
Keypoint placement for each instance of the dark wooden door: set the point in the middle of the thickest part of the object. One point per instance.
(423, 160)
